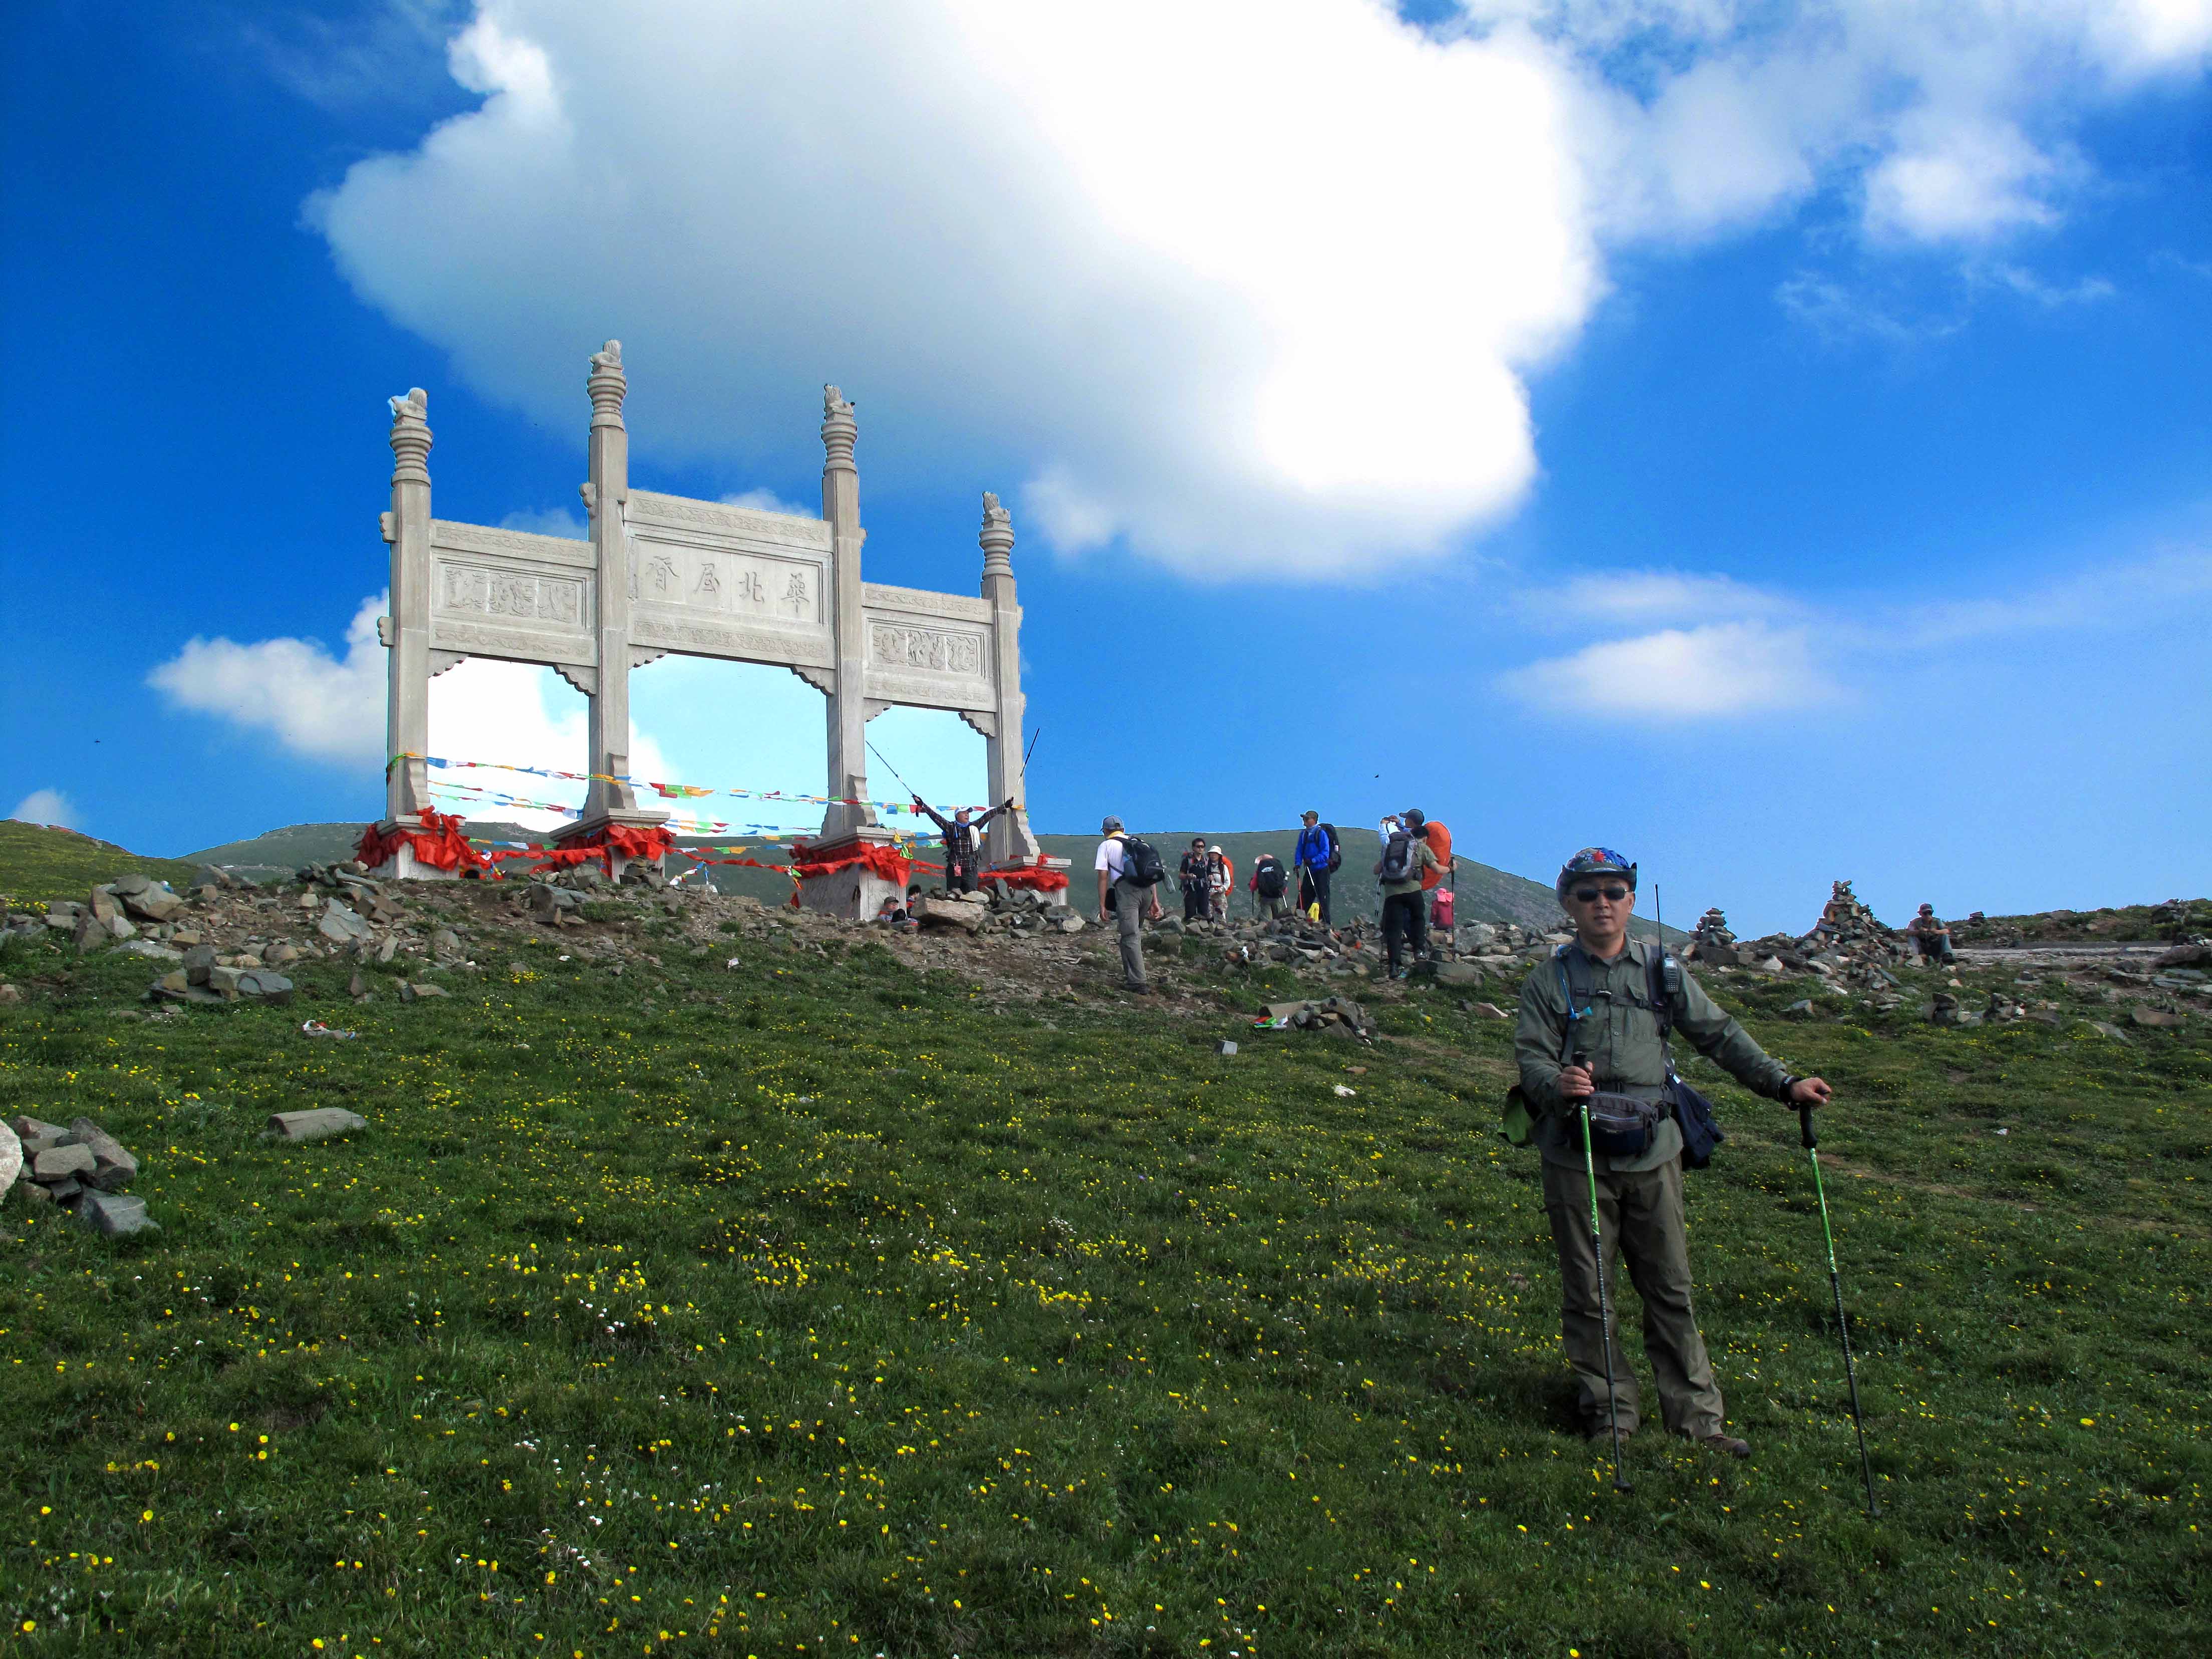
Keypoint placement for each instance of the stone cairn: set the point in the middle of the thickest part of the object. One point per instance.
(81, 1168)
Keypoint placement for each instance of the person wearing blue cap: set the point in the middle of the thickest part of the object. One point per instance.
(1589, 1030)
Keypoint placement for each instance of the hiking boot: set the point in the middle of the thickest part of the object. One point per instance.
(1601, 1434)
(1141, 989)
(1727, 1444)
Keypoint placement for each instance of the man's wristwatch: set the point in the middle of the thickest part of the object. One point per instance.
(1789, 1083)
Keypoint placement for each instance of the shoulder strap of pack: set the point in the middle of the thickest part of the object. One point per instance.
(1574, 971)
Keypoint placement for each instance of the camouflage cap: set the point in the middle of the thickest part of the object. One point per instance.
(1594, 861)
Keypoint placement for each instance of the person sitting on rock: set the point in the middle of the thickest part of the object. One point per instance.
(961, 867)
(1929, 935)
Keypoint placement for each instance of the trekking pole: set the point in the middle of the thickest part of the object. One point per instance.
(894, 770)
(1604, 1303)
(1836, 1284)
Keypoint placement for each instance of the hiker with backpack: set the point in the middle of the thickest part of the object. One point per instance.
(1197, 882)
(961, 838)
(1593, 1032)
(1271, 887)
(1128, 870)
(1406, 858)
(1315, 858)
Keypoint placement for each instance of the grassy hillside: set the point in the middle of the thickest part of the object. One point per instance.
(1485, 894)
(816, 1302)
(41, 861)
(2175, 920)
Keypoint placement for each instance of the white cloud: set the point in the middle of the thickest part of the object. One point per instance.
(329, 708)
(549, 521)
(1646, 597)
(767, 500)
(1256, 284)
(47, 806)
(1754, 652)
(2051, 296)
(324, 707)
(1722, 669)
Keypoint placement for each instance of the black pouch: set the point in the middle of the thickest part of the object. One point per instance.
(1701, 1129)
(1621, 1126)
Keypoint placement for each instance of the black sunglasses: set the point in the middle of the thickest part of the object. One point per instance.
(1588, 894)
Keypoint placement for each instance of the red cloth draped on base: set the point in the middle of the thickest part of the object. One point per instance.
(887, 862)
(439, 843)
(1040, 881)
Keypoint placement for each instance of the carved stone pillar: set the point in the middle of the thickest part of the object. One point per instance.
(1008, 841)
(848, 696)
(607, 497)
(406, 631)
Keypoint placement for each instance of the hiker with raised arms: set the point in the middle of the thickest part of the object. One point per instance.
(961, 838)
(1591, 1046)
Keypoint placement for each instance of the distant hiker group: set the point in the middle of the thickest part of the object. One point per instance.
(1415, 871)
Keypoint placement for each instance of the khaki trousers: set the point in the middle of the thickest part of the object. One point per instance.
(1640, 1215)
(1129, 902)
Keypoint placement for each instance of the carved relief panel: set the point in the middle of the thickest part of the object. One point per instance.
(465, 590)
(897, 646)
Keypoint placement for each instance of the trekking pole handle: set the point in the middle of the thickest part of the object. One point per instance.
(1805, 1127)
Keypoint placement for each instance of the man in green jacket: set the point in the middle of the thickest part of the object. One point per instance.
(1639, 1198)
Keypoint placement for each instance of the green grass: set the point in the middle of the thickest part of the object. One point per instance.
(818, 1302)
(2189, 918)
(43, 861)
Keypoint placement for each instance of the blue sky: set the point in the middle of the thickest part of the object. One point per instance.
(1770, 439)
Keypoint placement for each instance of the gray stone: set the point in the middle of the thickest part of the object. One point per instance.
(115, 1216)
(153, 904)
(1491, 1011)
(2111, 1031)
(112, 1166)
(11, 1157)
(90, 933)
(122, 928)
(278, 954)
(62, 913)
(63, 1164)
(31, 1128)
(10, 995)
(65, 1191)
(151, 951)
(1458, 973)
(446, 943)
(131, 885)
(100, 904)
(264, 985)
(2159, 1018)
(342, 925)
(1800, 1009)
(933, 912)
(322, 1123)
(33, 1194)
(1071, 923)
(422, 990)
(198, 961)
(387, 947)
(1225, 1047)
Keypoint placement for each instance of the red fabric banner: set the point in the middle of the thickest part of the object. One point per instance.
(439, 843)
(887, 862)
(1039, 881)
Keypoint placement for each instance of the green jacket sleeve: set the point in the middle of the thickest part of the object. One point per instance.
(1720, 1038)
(1538, 1034)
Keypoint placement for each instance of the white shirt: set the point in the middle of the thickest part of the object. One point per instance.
(1109, 858)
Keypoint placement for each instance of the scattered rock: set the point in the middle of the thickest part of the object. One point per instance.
(1459, 973)
(342, 925)
(1490, 1010)
(11, 1157)
(114, 1216)
(949, 913)
(10, 994)
(55, 1163)
(112, 1167)
(2158, 1018)
(2195, 954)
(1800, 1009)
(322, 1123)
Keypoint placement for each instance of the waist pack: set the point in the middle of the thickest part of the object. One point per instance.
(1621, 1126)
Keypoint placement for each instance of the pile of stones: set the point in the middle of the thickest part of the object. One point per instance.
(82, 1168)
(997, 909)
